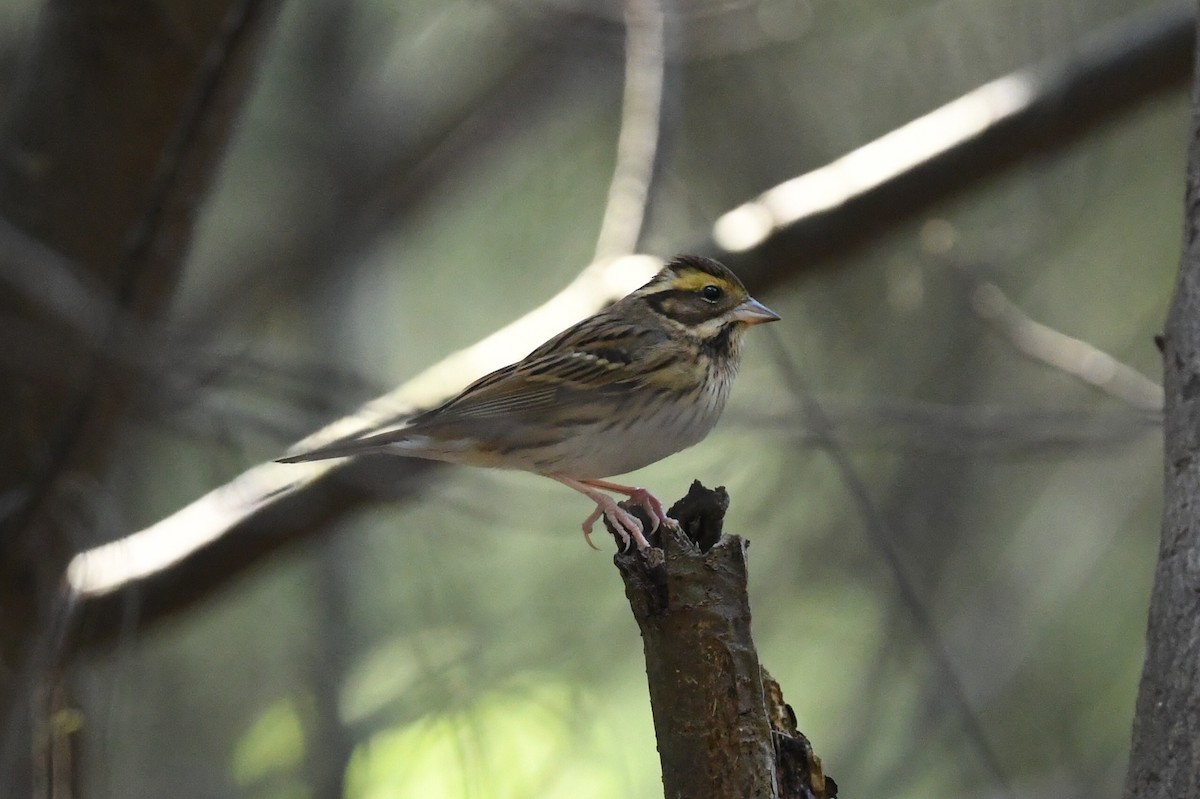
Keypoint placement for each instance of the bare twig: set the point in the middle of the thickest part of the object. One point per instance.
(912, 426)
(637, 143)
(1066, 353)
(110, 136)
(170, 366)
(883, 540)
(111, 566)
(1078, 92)
(843, 205)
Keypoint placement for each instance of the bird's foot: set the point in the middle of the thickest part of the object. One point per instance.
(653, 508)
(627, 526)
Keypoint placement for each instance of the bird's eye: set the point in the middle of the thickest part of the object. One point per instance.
(711, 293)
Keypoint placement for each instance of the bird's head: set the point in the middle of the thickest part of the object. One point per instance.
(704, 296)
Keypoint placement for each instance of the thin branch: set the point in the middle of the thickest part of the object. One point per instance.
(883, 540)
(844, 205)
(637, 143)
(160, 235)
(1142, 58)
(82, 325)
(111, 566)
(911, 426)
(1068, 354)
(110, 136)
(154, 241)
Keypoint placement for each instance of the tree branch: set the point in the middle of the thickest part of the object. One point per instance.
(848, 203)
(109, 139)
(1068, 99)
(723, 730)
(1164, 761)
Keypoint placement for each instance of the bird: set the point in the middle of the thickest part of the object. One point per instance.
(640, 380)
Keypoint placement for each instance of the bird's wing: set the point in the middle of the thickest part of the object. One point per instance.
(575, 366)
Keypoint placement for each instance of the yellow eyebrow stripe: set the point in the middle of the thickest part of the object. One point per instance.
(694, 281)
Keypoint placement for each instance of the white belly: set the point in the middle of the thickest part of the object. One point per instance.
(603, 451)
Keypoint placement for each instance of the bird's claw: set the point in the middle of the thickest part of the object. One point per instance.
(588, 524)
(627, 526)
(654, 509)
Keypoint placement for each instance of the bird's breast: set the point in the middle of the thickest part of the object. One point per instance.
(623, 442)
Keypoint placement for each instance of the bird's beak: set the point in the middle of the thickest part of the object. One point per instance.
(753, 312)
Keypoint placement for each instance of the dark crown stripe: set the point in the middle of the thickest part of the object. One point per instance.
(714, 268)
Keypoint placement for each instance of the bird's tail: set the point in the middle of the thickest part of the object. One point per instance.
(391, 441)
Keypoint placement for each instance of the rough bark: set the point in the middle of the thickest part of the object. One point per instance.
(1165, 756)
(722, 726)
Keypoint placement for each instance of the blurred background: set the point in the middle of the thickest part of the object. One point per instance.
(952, 497)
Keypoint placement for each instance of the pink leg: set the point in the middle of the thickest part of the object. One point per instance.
(625, 523)
(641, 496)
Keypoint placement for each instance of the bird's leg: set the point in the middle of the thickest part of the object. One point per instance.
(640, 496)
(625, 523)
